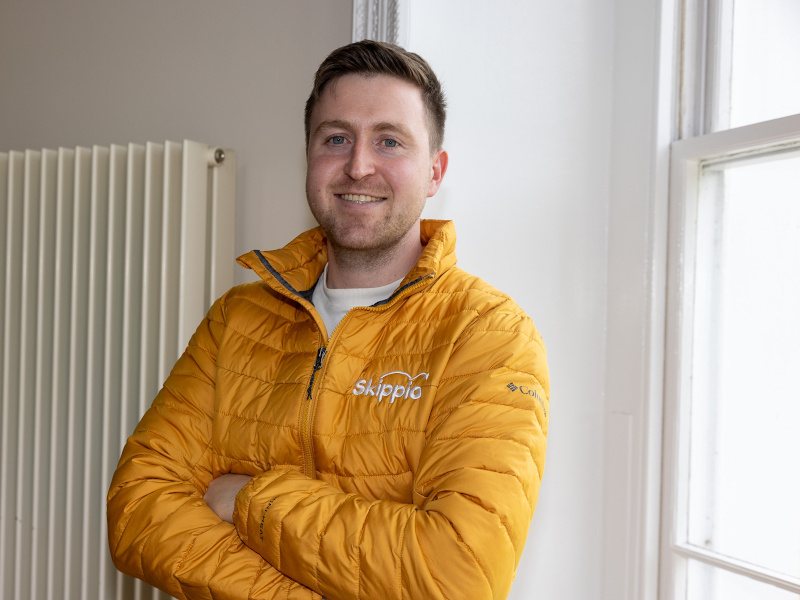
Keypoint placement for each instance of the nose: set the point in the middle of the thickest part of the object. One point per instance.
(360, 163)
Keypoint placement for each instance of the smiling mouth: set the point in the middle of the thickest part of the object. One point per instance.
(360, 198)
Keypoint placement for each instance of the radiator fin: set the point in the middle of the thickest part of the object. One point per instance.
(109, 258)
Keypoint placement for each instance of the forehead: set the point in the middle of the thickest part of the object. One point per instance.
(367, 100)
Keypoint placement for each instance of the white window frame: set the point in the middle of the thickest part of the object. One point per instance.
(686, 161)
(697, 116)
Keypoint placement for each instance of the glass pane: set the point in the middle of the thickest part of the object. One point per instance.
(763, 61)
(705, 582)
(744, 481)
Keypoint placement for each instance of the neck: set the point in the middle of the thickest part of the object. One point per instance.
(374, 267)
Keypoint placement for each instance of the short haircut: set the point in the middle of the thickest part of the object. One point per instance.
(369, 58)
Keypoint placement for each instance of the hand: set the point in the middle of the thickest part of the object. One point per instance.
(221, 494)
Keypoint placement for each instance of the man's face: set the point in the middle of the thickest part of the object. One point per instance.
(370, 166)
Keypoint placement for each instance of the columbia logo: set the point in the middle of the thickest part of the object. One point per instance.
(392, 385)
(528, 392)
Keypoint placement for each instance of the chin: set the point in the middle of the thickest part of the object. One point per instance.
(354, 243)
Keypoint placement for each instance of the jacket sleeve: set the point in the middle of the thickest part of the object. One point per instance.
(160, 528)
(475, 487)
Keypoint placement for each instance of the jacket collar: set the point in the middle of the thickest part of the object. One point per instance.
(298, 265)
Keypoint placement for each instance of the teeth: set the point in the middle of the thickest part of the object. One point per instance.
(360, 198)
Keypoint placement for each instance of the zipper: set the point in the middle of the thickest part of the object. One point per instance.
(402, 289)
(317, 366)
(306, 407)
(306, 418)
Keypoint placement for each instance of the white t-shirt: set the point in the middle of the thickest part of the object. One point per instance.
(333, 303)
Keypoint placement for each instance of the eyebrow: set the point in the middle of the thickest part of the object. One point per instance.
(383, 126)
(333, 124)
(386, 126)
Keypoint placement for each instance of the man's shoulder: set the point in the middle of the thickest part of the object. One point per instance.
(247, 290)
(458, 281)
(245, 297)
(471, 292)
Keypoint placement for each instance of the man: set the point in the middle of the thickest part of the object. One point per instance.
(368, 421)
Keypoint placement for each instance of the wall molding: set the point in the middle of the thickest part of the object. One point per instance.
(381, 20)
(643, 126)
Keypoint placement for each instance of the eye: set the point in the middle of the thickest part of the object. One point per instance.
(336, 140)
(390, 143)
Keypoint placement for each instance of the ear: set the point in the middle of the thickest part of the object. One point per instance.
(438, 169)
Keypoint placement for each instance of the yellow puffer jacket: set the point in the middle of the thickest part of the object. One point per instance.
(401, 457)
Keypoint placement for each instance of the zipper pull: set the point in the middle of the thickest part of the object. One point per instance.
(317, 366)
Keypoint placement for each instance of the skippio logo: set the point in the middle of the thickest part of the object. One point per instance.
(399, 385)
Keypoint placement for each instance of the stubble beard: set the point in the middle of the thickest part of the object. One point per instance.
(365, 246)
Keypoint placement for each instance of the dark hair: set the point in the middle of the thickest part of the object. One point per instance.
(369, 57)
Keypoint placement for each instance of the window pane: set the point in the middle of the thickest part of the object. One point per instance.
(744, 482)
(705, 582)
(763, 61)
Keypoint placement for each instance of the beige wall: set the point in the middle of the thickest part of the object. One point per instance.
(228, 73)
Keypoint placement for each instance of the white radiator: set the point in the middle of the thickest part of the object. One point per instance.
(109, 258)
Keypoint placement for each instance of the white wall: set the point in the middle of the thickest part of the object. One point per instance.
(234, 74)
(529, 85)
